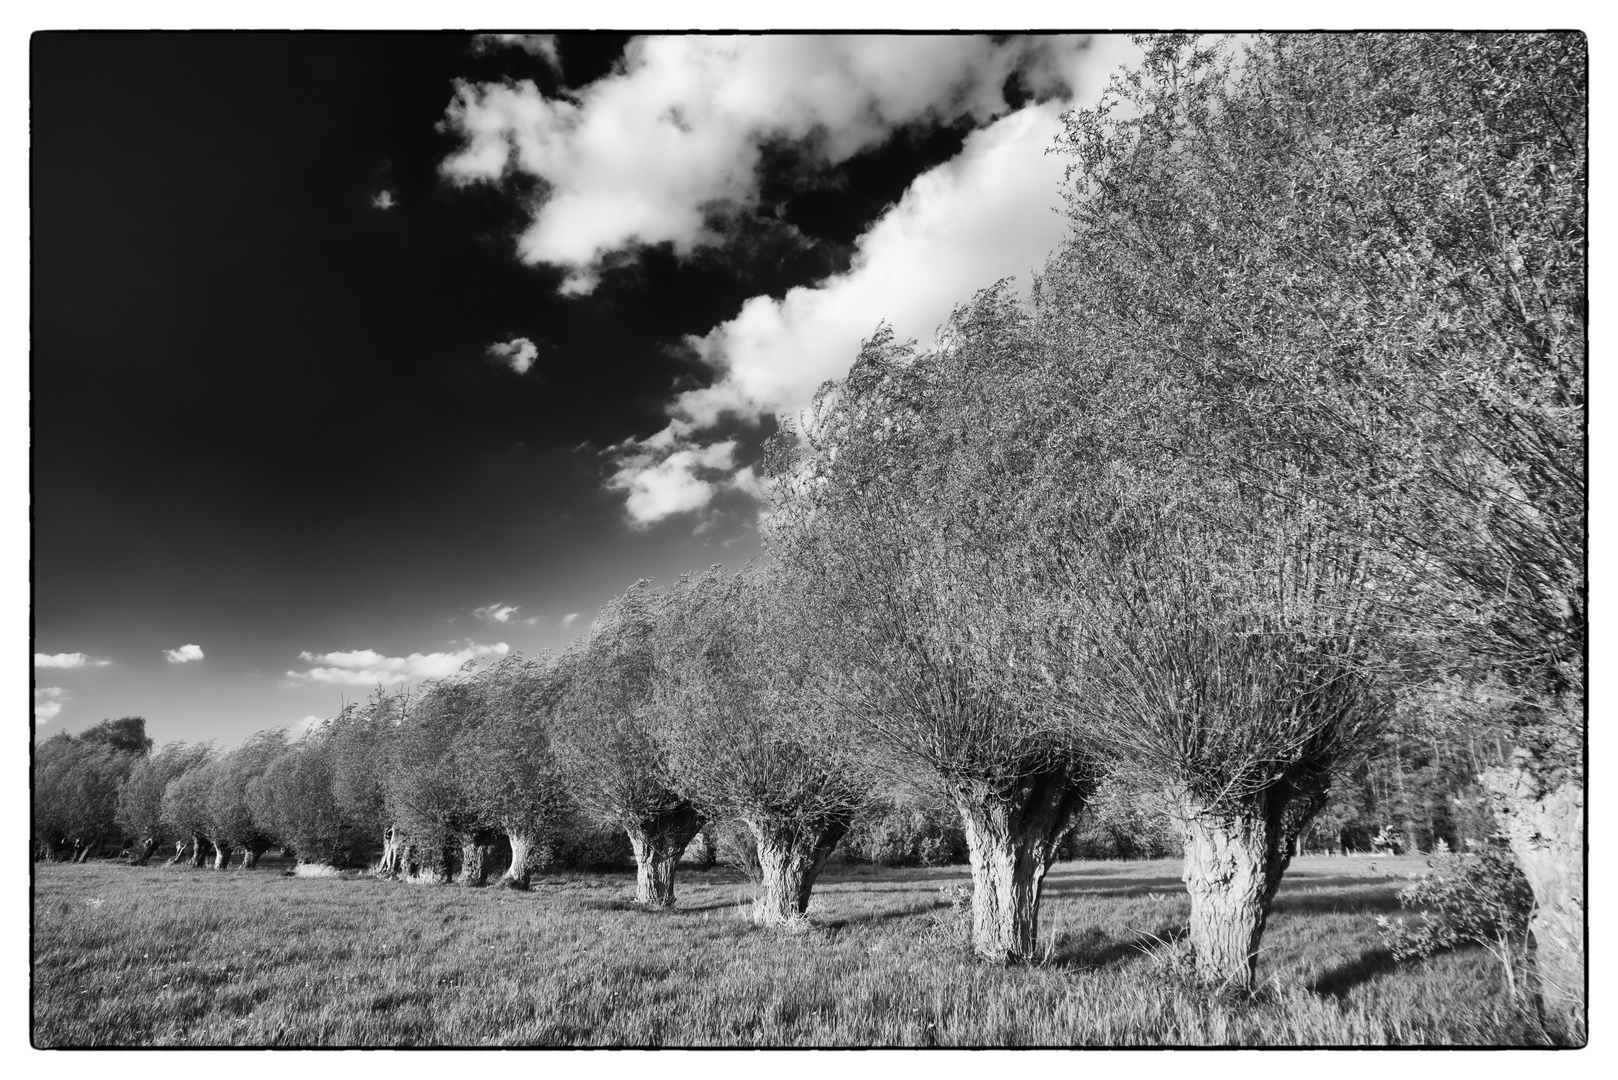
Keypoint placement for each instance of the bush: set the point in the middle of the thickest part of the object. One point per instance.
(1124, 822)
(1466, 900)
(593, 848)
(897, 834)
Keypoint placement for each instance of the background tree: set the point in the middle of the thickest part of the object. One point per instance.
(140, 796)
(605, 739)
(76, 795)
(126, 735)
(898, 515)
(742, 713)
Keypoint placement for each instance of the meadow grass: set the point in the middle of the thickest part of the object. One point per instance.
(172, 956)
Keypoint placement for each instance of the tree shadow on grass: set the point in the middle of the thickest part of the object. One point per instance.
(1344, 977)
(1078, 885)
(872, 918)
(1092, 949)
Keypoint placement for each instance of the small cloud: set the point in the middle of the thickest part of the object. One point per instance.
(532, 621)
(184, 654)
(48, 702)
(496, 612)
(367, 667)
(519, 353)
(542, 46)
(384, 200)
(567, 620)
(299, 728)
(68, 660)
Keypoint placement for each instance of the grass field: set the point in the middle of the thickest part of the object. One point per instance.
(171, 956)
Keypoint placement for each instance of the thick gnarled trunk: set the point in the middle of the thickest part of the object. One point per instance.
(221, 855)
(527, 855)
(1543, 817)
(658, 843)
(1012, 837)
(476, 847)
(198, 853)
(790, 860)
(142, 854)
(250, 857)
(1234, 859)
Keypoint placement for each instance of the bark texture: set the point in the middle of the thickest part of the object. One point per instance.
(221, 855)
(143, 851)
(1234, 859)
(180, 847)
(476, 849)
(1543, 817)
(1012, 837)
(659, 841)
(250, 858)
(790, 860)
(526, 855)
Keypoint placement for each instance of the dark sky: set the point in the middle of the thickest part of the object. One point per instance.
(265, 420)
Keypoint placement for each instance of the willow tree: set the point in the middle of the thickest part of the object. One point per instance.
(76, 794)
(505, 766)
(296, 800)
(229, 820)
(140, 796)
(185, 811)
(1225, 657)
(898, 515)
(605, 739)
(445, 836)
(743, 712)
(1369, 251)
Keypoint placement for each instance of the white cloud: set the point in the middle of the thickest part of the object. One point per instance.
(635, 157)
(542, 46)
(384, 200)
(987, 214)
(48, 702)
(184, 654)
(299, 728)
(567, 620)
(660, 484)
(518, 352)
(366, 667)
(68, 660)
(496, 612)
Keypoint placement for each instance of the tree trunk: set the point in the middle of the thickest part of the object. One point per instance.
(1542, 814)
(527, 853)
(179, 852)
(197, 856)
(144, 850)
(1234, 859)
(791, 860)
(475, 848)
(659, 841)
(221, 855)
(250, 858)
(1012, 839)
(392, 864)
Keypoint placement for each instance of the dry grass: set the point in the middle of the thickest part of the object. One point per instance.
(171, 956)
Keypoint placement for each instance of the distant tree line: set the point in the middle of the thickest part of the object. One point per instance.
(1258, 525)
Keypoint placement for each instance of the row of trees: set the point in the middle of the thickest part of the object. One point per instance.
(1276, 477)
